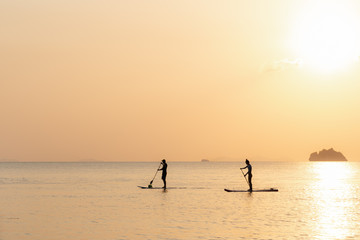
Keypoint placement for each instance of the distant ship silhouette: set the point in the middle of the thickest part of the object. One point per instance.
(327, 155)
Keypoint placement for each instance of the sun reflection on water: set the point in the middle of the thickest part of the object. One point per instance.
(332, 200)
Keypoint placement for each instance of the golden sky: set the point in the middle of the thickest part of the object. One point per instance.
(181, 80)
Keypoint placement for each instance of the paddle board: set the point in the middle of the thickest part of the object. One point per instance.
(255, 190)
(142, 187)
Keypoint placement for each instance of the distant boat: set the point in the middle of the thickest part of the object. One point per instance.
(204, 160)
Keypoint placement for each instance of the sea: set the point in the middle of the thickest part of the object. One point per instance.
(102, 201)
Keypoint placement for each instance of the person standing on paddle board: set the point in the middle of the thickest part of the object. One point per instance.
(249, 173)
(164, 171)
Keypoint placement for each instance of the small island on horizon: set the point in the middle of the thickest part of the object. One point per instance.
(327, 155)
(205, 160)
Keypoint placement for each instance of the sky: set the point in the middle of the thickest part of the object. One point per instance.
(182, 80)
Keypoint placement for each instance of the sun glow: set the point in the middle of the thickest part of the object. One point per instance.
(327, 36)
(332, 198)
(331, 173)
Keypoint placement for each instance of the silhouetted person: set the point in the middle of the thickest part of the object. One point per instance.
(164, 171)
(249, 173)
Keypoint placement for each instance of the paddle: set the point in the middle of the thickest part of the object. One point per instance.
(245, 177)
(150, 185)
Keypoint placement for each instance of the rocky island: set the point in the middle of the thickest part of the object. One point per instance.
(327, 155)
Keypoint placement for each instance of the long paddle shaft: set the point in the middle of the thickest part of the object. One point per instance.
(245, 177)
(155, 174)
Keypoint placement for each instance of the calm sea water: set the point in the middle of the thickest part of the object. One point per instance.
(316, 200)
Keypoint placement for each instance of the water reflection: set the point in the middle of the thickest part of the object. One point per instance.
(333, 202)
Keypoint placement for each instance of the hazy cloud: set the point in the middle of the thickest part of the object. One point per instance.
(281, 65)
